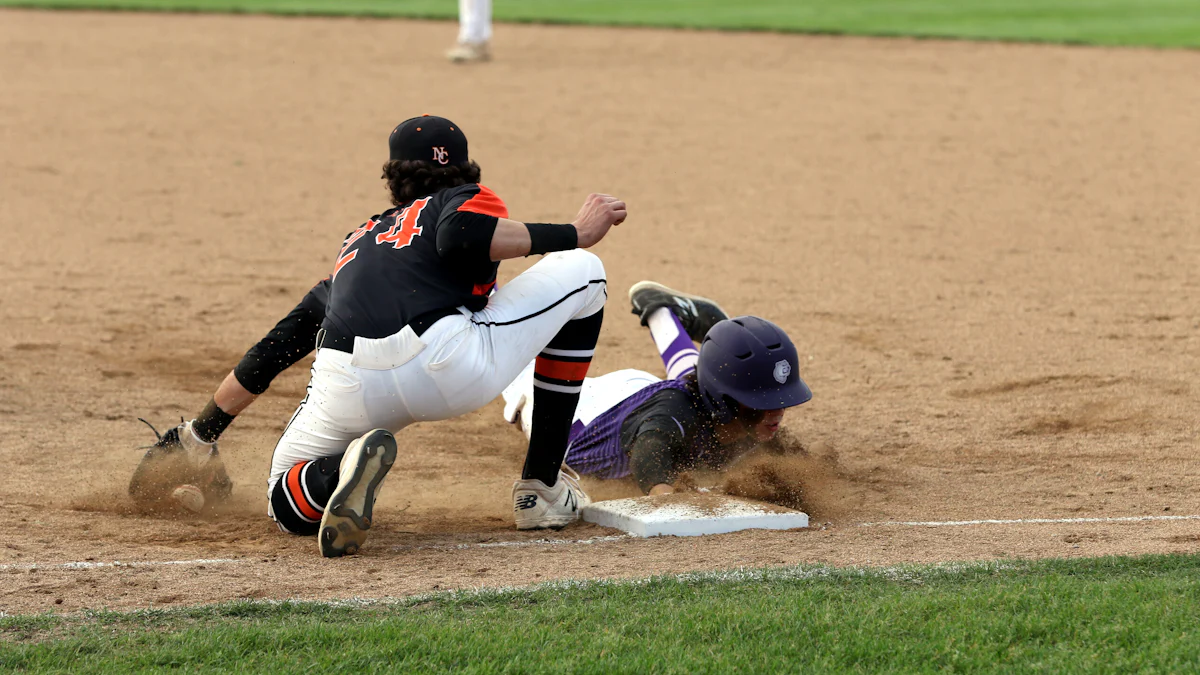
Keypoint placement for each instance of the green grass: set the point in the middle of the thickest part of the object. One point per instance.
(1090, 615)
(1160, 23)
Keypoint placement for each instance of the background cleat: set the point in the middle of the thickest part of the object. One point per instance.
(469, 52)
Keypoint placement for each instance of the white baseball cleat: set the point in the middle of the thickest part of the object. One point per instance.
(348, 513)
(537, 506)
(467, 52)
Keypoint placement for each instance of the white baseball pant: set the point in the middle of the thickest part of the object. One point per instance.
(474, 21)
(458, 365)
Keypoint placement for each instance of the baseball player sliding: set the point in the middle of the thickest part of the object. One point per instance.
(717, 402)
(411, 331)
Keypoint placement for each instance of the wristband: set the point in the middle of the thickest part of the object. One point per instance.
(547, 238)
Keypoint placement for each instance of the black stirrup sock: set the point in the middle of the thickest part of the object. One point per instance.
(557, 380)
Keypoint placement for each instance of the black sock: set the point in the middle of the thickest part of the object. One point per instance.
(557, 380)
(211, 422)
(299, 498)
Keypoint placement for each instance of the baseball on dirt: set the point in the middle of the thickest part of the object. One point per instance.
(189, 497)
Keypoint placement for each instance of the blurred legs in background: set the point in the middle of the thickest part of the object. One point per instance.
(474, 32)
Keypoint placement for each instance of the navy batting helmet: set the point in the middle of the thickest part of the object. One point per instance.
(750, 361)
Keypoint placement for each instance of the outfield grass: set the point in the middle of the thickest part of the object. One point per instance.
(1092, 615)
(1161, 23)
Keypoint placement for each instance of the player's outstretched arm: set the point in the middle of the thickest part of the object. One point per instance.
(292, 338)
(154, 482)
(598, 214)
(232, 396)
(514, 239)
(510, 240)
(652, 461)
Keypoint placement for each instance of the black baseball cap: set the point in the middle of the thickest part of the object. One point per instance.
(428, 139)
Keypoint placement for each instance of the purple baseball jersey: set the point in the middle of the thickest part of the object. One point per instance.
(601, 448)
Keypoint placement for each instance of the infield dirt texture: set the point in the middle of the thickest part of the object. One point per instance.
(987, 255)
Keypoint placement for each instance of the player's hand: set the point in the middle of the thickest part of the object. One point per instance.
(599, 213)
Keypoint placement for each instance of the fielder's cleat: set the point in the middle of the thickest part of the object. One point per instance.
(348, 513)
(537, 506)
(469, 52)
(697, 314)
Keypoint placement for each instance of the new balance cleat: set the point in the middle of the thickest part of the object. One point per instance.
(536, 506)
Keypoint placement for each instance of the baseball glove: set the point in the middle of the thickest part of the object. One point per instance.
(176, 461)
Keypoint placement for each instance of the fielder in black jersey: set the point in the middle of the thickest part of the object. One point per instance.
(408, 332)
(431, 253)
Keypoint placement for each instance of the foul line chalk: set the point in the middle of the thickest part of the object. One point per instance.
(516, 544)
(1023, 521)
(87, 565)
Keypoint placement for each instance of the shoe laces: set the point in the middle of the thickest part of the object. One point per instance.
(157, 436)
(568, 475)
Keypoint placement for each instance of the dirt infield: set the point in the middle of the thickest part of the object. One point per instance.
(987, 255)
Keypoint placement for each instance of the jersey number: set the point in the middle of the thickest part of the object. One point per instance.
(399, 235)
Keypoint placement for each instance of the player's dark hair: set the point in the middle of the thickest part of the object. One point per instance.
(692, 384)
(409, 179)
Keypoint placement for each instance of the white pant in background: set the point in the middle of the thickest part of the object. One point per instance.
(474, 21)
(460, 364)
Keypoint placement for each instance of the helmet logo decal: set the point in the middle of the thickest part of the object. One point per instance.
(782, 370)
(440, 155)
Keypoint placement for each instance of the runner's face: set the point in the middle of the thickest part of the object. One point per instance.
(758, 426)
(767, 427)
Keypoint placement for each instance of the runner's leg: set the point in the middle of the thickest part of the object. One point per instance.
(678, 352)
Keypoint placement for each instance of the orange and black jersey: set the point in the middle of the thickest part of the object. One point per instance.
(430, 254)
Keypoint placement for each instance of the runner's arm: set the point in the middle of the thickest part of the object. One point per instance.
(658, 436)
(652, 461)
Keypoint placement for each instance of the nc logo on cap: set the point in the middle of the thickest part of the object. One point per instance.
(440, 155)
(782, 370)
